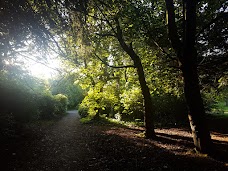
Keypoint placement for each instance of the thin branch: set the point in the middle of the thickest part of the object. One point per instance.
(217, 18)
(105, 34)
(173, 35)
(55, 42)
(163, 50)
(104, 62)
(110, 25)
(39, 62)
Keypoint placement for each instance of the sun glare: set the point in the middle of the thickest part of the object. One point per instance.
(45, 71)
(45, 68)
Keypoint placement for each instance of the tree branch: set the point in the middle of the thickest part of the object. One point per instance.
(119, 34)
(218, 17)
(163, 51)
(172, 28)
(39, 62)
(104, 62)
(106, 19)
(105, 34)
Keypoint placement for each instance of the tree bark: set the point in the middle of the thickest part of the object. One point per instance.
(200, 133)
(186, 52)
(149, 110)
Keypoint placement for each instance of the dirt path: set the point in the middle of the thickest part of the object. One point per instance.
(62, 147)
(70, 145)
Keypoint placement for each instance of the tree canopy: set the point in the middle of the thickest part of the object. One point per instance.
(134, 60)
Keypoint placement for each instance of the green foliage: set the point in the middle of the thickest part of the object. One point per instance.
(220, 108)
(26, 104)
(210, 98)
(132, 104)
(99, 100)
(170, 109)
(46, 106)
(91, 103)
(83, 110)
(50, 106)
(61, 102)
(214, 98)
(87, 119)
(66, 85)
(17, 100)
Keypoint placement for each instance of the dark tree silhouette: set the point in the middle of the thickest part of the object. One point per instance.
(187, 55)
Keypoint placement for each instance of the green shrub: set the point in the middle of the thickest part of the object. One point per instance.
(132, 104)
(83, 110)
(18, 101)
(210, 99)
(52, 106)
(46, 106)
(170, 109)
(98, 101)
(60, 104)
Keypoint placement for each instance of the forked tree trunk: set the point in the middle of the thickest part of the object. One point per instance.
(187, 55)
(201, 135)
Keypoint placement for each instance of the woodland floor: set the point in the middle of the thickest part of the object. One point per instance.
(67, 144)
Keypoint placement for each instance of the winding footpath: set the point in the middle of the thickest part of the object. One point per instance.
(63, 147)
(68, 145)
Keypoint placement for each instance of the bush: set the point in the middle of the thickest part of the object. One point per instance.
(18, 101)
(46, 106)
(210, 99)
(98, 101)
(52, 106)
(83, 110)
(170, 109)
(132, 103)
(61, 102)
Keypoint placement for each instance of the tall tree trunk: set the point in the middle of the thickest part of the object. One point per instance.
(148, 105)
(187, 55)
(201, 135)
(149, 111)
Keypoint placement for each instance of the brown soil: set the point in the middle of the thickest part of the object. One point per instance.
(69, 145)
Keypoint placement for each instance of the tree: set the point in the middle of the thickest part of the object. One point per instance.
(66, 85)
(99, 19)
(187, 54)
(114, 29)
(211, 41)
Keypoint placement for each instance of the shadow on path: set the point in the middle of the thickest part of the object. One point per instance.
(69, 145)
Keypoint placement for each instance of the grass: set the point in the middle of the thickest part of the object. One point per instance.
(103, 120)
(220, 111)
(222, 106)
